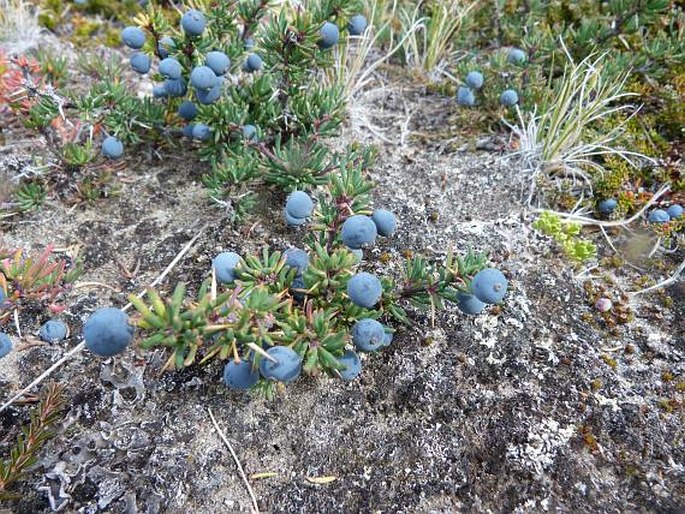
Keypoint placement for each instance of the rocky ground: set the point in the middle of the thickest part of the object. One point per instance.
(538, 406)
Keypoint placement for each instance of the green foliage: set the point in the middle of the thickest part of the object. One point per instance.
(567, 236)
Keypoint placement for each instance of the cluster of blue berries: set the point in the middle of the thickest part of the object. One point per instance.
(52, 331)
(466, 94)
(675, 211)
(488, 286)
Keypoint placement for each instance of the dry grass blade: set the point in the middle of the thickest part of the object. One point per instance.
(19, 29)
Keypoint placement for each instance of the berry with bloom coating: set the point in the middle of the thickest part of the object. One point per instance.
(469, 304)
(187, 110)
(5, 345)
(368, 335)
(159, 91)
(225, 265)
(330, 34)
(107, 332)
(388, 338)
(299, 204)
(353, 366)
(209, 97)
(474, 79)
(170, 68)
(358, 231)
(249, 132)
(357, 25)
(112, 148)
(133, 37)
(607, 206)
(358, 253)
(140, 63)
(489, 285)
(175, 87)
(364, 289)
(509, 98)
(253, 63)
(202, 132)
(193, 22)
(203, 78)
(292, 221)
(296, 258)
(659, 216)
(287, 367)
(218, 62)
(516, 56)
(465, 97)
(675, 211)
(165, 44)
(240, 375)
(53, 330)
(188, 130)
(385, 222)
(249, 43)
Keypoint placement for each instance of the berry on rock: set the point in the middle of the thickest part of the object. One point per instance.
(133, 37)
(112, 148)
(489, 285)
(187, 110)
(358, 231)
(509, 98)
(193, 22)
(465, 97)
(469, 304)
(330, 34)
(296, 258)
(253, 63)
(385, 222)
(299, 205)
(140, 63)
(107, 332)
(170, 68)
(474, 79)
(364, 289)
(53, 330)
(659, 216)
(287, 367)
(353, 366)
(675, 211)
(203, 78)
(225, 265)
(607, 206)
(5, 345)
(218, 62)
(357, 25)
(516, 56)
(368, 335)
(240, 375)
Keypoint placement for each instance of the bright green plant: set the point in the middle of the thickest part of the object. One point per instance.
(566, 234)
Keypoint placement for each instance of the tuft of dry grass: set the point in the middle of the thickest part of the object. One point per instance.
(19, 29)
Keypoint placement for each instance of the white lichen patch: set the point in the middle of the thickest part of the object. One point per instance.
(544, 441)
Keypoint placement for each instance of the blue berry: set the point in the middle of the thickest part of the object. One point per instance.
(364, 289)
(368, 335)
(140, 62)
(187, 110)
(209, 97)
(607, 206)
(240, 375)
(175, 87)
(202, 132)
(465, 97)
(5, 345)
(165, 44)
(170, 68)
(203, 78)
(509, 98)
(249, 43)
(675, 211)
(353, 366)
(489, 285)
(250, 132)
(516, 56)
(358, 231)
(299, 205)
(358, 253)
(286, 369)
(193, 22)
(218, 62)
(659, 216)
(159, 91)
(385, 222)
(469, 304)
(107, 332)
(474, 79)
(188, 130)
(253, 63)
(298, 283)
(112, 148)
(387, 339)
(133, 37)
(292, 221)
(53, 330)
(357, 25)
(3, 297)
(225, 265)
(296, 258)
(330, 34)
